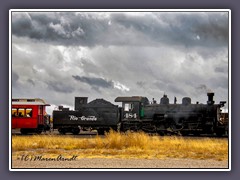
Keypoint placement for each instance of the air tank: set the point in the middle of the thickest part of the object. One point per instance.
(186, 101)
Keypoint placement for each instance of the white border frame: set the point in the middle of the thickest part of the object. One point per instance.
(118, 10)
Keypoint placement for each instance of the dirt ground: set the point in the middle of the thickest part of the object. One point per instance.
(122, 163)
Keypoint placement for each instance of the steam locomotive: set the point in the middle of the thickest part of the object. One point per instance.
(137, 113)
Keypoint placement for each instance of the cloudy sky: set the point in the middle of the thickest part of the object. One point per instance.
(59, 55)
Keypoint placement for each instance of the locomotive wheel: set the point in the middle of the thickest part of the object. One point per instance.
(161, 133)
(220, 132)
(24, 131)
(61, 131)
(75, 131)
(196, 133)
(100, 131)
(184, 133)
(39, 131)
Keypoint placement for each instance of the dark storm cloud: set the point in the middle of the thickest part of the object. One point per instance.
(95, 82)
(22, 24)
(90, 29)
(59, 28)
(180, 28)
(216, 28)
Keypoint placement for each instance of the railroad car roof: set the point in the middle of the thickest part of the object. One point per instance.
(36, 101)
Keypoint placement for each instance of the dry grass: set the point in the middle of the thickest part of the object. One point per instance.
(116, 145)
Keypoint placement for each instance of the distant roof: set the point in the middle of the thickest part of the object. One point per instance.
(131, 99)
(35, 101)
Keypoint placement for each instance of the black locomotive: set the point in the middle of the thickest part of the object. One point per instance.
(137, 113)
(185, 118)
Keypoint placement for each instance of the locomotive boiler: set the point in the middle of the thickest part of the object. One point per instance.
(185, 118)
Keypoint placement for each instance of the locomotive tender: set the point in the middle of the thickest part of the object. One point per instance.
(98, 114)
(137, 114)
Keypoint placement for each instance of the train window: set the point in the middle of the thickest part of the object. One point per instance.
(21, 112)
(128, 107)
(14, 112)
(29, 112)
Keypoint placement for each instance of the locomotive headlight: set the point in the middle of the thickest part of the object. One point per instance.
(165, 116)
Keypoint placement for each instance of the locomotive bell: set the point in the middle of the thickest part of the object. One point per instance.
(210, 98)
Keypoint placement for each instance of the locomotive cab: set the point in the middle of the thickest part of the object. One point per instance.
(132, 112)
(132, 107)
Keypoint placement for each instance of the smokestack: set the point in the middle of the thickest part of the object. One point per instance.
(210, 98)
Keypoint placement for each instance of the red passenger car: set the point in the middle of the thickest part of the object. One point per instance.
(29, 115)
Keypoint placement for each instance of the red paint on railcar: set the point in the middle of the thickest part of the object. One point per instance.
(29, 115)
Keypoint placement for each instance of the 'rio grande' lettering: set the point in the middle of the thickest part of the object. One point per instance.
(82, 118)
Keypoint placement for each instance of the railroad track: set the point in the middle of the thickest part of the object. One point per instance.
(92, 134)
